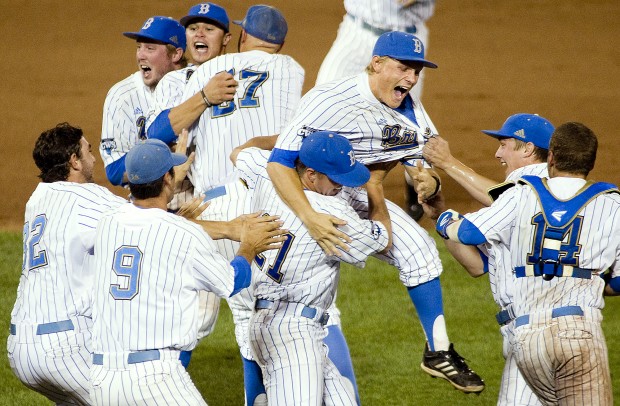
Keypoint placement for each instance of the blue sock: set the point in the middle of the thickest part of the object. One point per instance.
(252, 380)
(429, 304)
(340, 356)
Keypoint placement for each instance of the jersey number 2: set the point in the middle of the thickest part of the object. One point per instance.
(33, 256)
(273, 271)
(127, 262)
(249, 99)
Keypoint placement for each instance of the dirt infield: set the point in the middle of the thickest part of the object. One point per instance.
(496, 58)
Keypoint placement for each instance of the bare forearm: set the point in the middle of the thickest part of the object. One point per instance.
(217, 230)
(468, 256)
(475, 184)
(186, 113)
(289, 188)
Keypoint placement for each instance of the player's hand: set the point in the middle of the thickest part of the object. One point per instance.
(221, 88)
(323, 228)
(378, 171)
(434, 206)
(425, 183)
(437, 152)
(180, 173)
(235, 226)
(261, 234)
(180, 147)
(192, 209)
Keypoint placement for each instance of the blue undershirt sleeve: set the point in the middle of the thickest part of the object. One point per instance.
(243, 274)
(485, 260)
(161, 128)
(115, 171)
(469, 234)
(284, 157)
(614, 283)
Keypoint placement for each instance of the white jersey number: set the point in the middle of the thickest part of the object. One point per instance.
(249, 99)
(127, 263)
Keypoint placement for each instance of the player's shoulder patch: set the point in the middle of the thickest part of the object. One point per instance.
(496, 191)
(108, 144)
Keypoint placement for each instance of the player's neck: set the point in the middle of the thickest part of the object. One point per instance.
(159, 202)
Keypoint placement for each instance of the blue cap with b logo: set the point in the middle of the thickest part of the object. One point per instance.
(207, 12)
(161, 29)
(332, 155)
(266, 23)
(401, 46)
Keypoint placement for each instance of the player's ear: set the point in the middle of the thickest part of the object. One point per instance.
(226, 39)
(178, 55)
(75, 162)
(529, 149)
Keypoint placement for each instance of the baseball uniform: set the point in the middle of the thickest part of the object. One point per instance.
(127, 106)
(364, 22)
(149, 267)
(572, 227)
(49, 347)
(514, 390)
(294, 287)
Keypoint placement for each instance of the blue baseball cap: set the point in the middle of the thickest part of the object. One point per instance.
(331, 154)
(161, 29)
(149, 160)
(401, 46)
(266, 23)
(208, 12)
(527, 128)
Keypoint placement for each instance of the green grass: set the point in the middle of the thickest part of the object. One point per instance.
(381, 327)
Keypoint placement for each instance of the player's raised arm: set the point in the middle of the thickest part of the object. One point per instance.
(377, 209)
(437, 153)
(322, 227)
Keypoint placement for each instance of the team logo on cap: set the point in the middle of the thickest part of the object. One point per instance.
(148, 23)
(174, 39)
(417, 46)
(352, 157)
(520, 133)
(204, 8)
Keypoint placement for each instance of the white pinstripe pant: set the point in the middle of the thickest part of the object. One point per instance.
(55, 365)
(293, 358)
(564, 360)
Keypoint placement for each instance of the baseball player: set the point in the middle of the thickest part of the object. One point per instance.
(49, 346)
(361, 26)
(149, 266)
(384, 123)
(269, 89)
(562, 234)
(207, 34)
(128, 104)
(295, 286)
(524, 143)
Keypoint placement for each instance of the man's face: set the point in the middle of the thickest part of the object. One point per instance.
(205, 41)
(87, 160)
(325, 186)
(394, 79)
(154, 62)
(509, 156)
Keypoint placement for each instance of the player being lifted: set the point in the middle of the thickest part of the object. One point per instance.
(383, 122)
(562, 234)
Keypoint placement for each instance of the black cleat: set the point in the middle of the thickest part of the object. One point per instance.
(450, 366)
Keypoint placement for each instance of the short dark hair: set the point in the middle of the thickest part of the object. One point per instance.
(541, 154)
(574, 148)
(53, 150)
(149, 190)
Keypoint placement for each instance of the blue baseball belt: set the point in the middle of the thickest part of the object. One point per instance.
(306, 311)
(49, 328)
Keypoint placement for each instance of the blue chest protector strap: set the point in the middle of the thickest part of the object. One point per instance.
(556, 249)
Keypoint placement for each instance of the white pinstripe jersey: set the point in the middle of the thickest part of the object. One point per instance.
(510, 221)
(389, 14)
(377, 132)
(268, 94)
(169, 91)
(500, 270)
(59, 234)
(149, 265)
(300, 271)
(127, 106)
